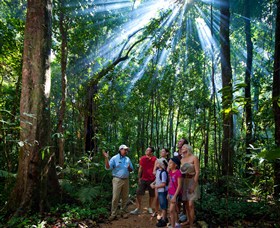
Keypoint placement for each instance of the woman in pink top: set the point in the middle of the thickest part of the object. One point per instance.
(174, 188)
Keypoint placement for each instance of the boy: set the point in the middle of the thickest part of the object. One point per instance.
(160, 185)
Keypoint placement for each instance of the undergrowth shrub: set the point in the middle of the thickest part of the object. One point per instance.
(218, 208)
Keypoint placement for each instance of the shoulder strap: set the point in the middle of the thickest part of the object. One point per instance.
(160, 176)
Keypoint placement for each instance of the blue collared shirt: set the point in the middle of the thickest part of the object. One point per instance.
(118, 165)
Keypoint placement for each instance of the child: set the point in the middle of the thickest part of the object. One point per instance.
(174, 189)
(160, 185)
(164, 153)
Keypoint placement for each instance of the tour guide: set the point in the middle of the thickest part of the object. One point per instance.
(121, 166)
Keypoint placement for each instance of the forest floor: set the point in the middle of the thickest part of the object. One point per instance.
(143, 220)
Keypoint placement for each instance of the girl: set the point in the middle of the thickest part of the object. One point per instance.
(174, 188)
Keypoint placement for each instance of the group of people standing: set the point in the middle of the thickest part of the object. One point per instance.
(170, 181)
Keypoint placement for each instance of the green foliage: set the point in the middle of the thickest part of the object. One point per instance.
(221, 210)
(270, 154)
(73, 213)
(31, 221)
(88, 195)
(6, 174)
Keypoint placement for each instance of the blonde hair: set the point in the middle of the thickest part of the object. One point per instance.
(188, 147)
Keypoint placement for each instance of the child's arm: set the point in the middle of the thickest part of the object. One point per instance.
(162, 185)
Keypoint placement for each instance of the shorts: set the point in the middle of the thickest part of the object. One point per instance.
(143, 186)
(177, 199)
(162, 198)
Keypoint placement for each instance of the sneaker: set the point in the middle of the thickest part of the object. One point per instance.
(125, 216)
(150, 210)
(161, 223)
(112, 217)
(182, 218)
(135, 212)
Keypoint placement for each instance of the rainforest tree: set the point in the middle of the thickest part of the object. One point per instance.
(35, 168)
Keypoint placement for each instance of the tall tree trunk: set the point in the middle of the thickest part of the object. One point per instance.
(147, 124)
(157, 123)
(143, 145)
(206, 139)
(176, 128)
(152, 120)
(213, 99)
(90, 123)
(227, 147)
(63, 64)
(36, 169)
(248, 73)
(276, 101)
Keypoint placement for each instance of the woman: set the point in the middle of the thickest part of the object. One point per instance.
(190, 169)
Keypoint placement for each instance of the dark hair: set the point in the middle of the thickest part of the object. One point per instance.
(167, 151)
(185, 141)
(177, 161)
(152, 148)
(165, 164)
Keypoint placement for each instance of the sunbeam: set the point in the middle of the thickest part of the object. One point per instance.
(111, 48)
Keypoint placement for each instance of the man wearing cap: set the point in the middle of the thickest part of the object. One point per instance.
(121, 166)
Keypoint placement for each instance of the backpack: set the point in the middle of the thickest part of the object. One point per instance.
(167, 177)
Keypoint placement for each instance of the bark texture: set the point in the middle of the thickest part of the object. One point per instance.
(248, 73)
(63, 64)
(276, 101)
(227, 147)
(35, 159)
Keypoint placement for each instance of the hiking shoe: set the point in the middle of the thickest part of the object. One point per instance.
(125, 216)
(182, 218)
(150, 210)
(112, 217)
(135, 212)
(161, 223)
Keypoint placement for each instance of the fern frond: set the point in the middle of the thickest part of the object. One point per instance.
(88, 194)
(6, 174)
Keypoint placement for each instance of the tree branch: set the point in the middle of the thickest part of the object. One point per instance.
(97, 77)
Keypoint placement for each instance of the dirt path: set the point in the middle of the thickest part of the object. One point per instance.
(144, 220)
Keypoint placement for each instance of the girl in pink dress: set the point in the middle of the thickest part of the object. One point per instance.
(174, 189)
